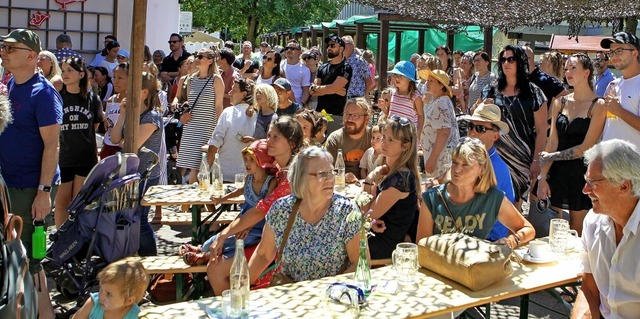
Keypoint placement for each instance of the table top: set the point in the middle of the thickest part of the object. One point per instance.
(181, 195)
(432, 295)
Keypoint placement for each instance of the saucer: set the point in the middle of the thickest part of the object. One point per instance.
(544, 260)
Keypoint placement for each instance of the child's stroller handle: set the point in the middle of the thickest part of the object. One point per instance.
(155, 162)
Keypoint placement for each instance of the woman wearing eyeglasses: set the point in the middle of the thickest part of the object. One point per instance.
(440, 132)
(579, 121)
(394, 186)
(471, 200)
(270, 70)
(205, 99)
(524, 109)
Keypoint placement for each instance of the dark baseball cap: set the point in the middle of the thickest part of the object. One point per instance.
(282, 83)
(335, 39)
(24, 36)
(622, 38)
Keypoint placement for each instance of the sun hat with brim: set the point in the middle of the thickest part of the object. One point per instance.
(443, 78)
(24, 36)
(621, 38)
(406, 69)
(258, 150)
(489, 113)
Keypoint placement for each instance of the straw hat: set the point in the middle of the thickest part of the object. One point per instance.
(489, 113)
(443, 78)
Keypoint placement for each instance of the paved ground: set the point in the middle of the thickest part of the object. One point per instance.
(170, 238)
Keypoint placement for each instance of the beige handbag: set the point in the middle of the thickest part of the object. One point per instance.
(472, 262)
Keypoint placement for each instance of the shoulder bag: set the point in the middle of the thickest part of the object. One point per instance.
(472, 262)
(185, 112)
(279, 277)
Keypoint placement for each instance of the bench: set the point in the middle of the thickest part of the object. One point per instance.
(173, 265)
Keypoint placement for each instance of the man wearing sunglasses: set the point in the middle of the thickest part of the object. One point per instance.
(248, 66)
(485, 125)
(296, 72)
(171, 63)
(622, 100)
(603, 76)
(332, 81)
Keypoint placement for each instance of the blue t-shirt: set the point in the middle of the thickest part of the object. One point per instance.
(98, 313)
(34, 104)
(506, 186)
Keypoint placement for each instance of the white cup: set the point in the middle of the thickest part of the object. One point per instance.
(539, 249)
(560, 236)
(405, 262)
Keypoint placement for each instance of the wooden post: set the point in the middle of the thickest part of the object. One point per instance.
(305, 38)
(134, 89)
(488, 42)
(340, 31)
(421, 41)
(398, 45)
(450, 42)
(383, 52)
(361, 37)
(314, 37)
(325, 33)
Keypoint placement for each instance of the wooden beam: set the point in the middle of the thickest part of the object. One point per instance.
(325, 33)
(314, 37)
(450, 42)
(134, 89)
(361, 37)
(305, 39)
(488, 42)
(383, 53)
(340, 31)
(420, 41)
(398, 46)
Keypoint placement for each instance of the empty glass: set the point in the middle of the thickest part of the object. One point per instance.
(405, 262)
(239, 180)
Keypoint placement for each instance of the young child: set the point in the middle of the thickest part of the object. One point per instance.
(259, 182)
(368, 160)
(383, 101)
(406, 100)
(265, 101)
(122, 286)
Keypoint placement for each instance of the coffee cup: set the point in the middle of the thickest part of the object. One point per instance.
(539, 249)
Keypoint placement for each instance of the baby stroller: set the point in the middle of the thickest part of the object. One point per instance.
(103, 226)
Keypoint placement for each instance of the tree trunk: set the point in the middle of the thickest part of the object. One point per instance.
(252, 26)
(630, 25)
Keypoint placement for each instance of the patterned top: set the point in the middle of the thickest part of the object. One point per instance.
(282, 189)
(439, 114)
(314, 250)
(361, 73)
(402, 105)
(63, 53)
(477, 84)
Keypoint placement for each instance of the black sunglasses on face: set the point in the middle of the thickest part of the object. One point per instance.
(291, 48)
(479, 128)
(267, 58)
(201, 56)
(332, 45)
(509, 60)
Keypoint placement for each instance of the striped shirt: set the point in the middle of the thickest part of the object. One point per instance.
(402, 105)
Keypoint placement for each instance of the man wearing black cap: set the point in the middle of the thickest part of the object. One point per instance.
(285, 105)
(29, 160)
(332, 81)
(621, 98)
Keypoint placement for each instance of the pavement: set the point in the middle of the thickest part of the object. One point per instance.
(169, 238)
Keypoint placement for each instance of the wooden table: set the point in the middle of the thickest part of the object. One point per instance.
(431, 296)
(163, 195)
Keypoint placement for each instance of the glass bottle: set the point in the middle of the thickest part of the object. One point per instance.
(340, 171)
(38, 240)
(204, 179)
(239, 282)
(216, 177)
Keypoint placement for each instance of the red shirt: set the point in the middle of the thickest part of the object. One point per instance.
(227, 78)
(282, 189)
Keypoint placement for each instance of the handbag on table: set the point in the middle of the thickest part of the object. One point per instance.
(472, 262)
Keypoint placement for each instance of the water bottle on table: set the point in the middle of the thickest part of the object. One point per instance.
(239, 283)
(340, 171)
(216, 177)
(203, 175)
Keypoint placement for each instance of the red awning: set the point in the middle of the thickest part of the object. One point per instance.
(584, 44)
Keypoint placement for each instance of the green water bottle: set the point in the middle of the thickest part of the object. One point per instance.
(38, 240)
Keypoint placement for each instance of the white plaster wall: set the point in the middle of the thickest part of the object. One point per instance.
(162, 20)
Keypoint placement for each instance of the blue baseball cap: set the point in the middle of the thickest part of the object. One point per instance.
(406, 69)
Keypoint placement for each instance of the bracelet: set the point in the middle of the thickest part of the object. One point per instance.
(367, 183)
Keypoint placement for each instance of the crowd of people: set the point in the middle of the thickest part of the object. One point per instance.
(533, 132)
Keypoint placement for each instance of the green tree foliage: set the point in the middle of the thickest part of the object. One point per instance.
(246, 19)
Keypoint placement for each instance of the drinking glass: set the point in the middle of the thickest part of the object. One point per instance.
(405, 262)
(559, 233)
(226, 305)
(239, 180)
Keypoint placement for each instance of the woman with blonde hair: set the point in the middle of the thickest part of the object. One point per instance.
(394, 185)
(265, 102)
(552, 63)
(48, 65)
(471, 195)
(205, 92)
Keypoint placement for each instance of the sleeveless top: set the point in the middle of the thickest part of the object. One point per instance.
(572, 133)
(112, 112)
(402, 105)
(476, 217)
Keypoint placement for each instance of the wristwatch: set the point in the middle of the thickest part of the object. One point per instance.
(45, 188)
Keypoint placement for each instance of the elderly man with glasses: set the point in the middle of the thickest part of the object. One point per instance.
(622, 99)
(610, 233)
(602, 76)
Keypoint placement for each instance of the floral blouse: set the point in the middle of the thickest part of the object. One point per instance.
(439, 114)
(314, 250)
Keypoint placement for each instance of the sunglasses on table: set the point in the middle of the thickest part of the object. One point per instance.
(479, 128)
(509, 60)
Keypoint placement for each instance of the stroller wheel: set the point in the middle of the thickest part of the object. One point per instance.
(67, 292)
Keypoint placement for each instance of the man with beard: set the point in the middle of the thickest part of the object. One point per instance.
(354, 138)
(170, 63)
(332, 81)
(603, 76)
(610, 235)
